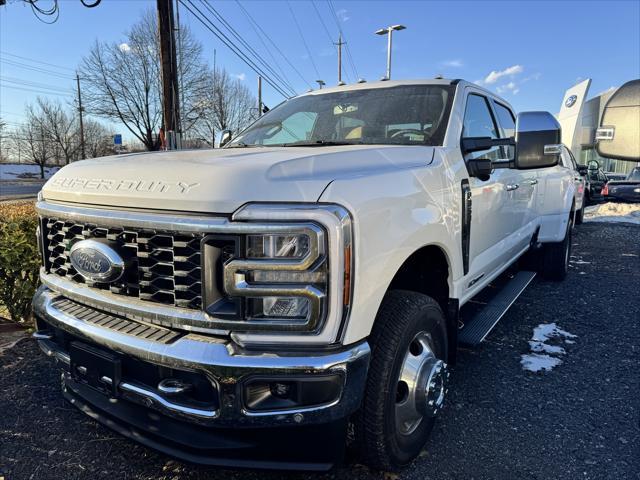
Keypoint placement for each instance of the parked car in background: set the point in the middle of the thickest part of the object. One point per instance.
(595, 180)
(568, 161)
(615, 176)
(627, 190)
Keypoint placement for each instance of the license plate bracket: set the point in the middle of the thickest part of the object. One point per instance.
(94, 367)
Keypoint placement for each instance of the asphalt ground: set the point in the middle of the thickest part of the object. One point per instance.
(12, 190)
(577, 421)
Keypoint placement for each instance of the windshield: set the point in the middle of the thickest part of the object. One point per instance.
(402, 115)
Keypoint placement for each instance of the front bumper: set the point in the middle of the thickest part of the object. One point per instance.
(224, 431)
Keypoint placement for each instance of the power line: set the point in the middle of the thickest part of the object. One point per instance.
(347, 49)
(38, 91)
(286, 58)
(35, 68)
(255, 54)
(36, 61)
(304, 42)
(209, 25)
(28, 83)
(264, 44)
(337, 45)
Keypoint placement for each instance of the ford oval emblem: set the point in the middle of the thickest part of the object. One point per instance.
(570, 102)
(96, 261)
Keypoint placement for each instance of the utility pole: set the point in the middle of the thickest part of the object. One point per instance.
(339, 44)
(80, 110)
(389, 31)
(170, 95)
(259, 96)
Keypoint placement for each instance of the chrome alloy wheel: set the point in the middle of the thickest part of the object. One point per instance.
(421, 386)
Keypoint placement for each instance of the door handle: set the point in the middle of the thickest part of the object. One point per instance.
(532, 182)
(512, 186)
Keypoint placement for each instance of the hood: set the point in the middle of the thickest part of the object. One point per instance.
(222, 180)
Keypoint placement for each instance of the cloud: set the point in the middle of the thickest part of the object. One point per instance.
(124, 47)
(452, 63)
(508, 87)
(239, 76)
(496, 75)
(343, 15)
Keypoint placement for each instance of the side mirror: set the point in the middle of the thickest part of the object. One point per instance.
(538, 141)
(226, 137)
(593, 165)
(619, 134)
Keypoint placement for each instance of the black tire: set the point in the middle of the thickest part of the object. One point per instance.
(402, 316)
(555, 257)
(580, 215)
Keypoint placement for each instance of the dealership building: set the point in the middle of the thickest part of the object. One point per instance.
(579, 118)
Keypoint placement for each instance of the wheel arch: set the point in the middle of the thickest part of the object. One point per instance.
(429, 271)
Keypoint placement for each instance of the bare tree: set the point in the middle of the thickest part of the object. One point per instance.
(98, 139)
(226, 105)
(122, 81)
(60, 127)
(34, 141)
(3, 143)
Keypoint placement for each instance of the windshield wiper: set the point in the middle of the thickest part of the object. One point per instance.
(243, 145)
(318, 143)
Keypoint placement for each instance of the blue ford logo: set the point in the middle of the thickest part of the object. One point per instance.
(569, 102)
(96, 261)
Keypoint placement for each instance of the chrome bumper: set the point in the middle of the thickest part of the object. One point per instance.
(222, 362)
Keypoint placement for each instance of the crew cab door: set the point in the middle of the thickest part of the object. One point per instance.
(497, 210)
(523, 197)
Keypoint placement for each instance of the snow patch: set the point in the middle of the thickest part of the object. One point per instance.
(544, 355)
(536, 362)
(21, 171)
(613, 212)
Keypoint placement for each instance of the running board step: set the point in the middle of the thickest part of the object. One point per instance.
(476, 329)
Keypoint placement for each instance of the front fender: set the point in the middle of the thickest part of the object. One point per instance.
(394, 215)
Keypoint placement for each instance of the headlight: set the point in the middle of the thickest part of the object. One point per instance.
(287, 271)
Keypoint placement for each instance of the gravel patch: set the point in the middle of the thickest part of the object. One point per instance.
(579, 420)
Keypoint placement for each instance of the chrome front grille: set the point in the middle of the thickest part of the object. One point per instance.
(161, 266)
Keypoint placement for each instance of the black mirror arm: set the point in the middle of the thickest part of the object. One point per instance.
(478, 144)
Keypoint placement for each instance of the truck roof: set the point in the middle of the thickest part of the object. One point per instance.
(383, 84)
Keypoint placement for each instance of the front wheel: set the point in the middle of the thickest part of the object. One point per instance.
(406, 384)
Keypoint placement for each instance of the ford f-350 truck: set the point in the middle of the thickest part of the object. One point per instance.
(250, 305)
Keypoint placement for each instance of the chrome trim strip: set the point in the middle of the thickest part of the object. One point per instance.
(163, 403)
(132, 308)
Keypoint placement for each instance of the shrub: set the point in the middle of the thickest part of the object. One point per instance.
(19, 259)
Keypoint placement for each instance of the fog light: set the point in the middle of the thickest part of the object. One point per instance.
(280, 389)
(291, 392)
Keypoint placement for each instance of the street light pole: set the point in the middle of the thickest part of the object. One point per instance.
(389, 31)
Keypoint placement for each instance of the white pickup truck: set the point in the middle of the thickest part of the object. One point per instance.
(249, 305)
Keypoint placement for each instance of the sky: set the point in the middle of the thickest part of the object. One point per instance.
(529, 52)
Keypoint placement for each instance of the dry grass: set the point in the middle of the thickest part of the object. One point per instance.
(14, 210)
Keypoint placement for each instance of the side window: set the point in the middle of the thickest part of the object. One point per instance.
(506, 120)
(508, 124)
(478, 122)
(296, 128)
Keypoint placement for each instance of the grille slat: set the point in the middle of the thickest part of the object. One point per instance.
(161, 267)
